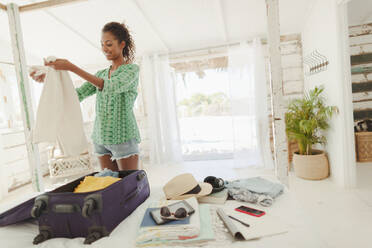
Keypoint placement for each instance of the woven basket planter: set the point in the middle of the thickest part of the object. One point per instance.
(363, 146)
(312, 167)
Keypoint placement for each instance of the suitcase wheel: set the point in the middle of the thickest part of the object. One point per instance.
(92, 237)
(92, 203)
(141, 175)
(88, 207)
(41, 237)
(39, 206)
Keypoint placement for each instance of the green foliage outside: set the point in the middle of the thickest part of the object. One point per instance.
(201, 104)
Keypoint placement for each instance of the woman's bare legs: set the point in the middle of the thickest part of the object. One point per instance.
(130, 163)
(105, 162)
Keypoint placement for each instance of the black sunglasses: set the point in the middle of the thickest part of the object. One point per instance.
(180, 213)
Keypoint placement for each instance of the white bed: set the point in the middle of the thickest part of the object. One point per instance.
(286, 208)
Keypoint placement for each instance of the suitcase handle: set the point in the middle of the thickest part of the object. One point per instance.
(139, 187)
(133, 194)
(66, 208)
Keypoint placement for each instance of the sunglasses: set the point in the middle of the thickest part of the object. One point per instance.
(180, 213)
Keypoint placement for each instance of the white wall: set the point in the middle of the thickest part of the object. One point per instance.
(359, 12)
(322, 32)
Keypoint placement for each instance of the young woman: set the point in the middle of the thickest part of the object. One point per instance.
(115, 134)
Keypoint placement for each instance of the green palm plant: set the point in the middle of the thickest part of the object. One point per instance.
(307, 118)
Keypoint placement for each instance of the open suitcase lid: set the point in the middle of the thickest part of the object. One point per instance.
(18, 213)
(22, 211)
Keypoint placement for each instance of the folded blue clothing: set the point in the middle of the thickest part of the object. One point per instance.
(254, 190)
(257, 185)
(107, 173)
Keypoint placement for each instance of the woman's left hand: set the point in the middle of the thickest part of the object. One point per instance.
(60, 64)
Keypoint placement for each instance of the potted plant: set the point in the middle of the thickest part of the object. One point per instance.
(306, 119)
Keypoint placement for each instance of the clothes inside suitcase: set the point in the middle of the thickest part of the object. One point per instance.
(62, 213)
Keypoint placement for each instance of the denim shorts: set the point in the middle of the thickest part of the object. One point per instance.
(117, 151)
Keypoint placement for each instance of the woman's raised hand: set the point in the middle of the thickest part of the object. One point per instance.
(38, 78)
(60, 64)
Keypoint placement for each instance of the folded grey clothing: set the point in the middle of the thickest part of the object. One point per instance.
(254, 190)
(257, 185)
(247, 196)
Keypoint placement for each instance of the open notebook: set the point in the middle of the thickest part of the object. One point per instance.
(259, 226)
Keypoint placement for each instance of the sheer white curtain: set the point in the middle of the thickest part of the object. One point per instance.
(159, 94)
(246, 68)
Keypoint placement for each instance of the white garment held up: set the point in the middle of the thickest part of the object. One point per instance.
(59, 117)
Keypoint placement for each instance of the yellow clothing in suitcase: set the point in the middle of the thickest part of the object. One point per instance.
(91, 183)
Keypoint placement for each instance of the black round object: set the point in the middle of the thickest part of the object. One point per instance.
(41, 237)
(38, 208)
(217, 183)
(88, 208)
(92, 237)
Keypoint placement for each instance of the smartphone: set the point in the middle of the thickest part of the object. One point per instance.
(155, 214)
(250, 211)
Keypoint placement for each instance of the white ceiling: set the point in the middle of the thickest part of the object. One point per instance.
(359, 12)
(73, 31)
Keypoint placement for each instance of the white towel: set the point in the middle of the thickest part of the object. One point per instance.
(59, 117)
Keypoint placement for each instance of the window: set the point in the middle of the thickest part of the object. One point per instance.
(204, 113)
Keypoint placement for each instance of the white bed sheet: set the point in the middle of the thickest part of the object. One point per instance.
(301, 234)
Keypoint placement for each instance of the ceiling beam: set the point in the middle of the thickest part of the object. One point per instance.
(149, 23)
(2, 6)
(45, 4)
(342, 1)
(225, 45)
(52, 3)
(221, 18)
(72, 29)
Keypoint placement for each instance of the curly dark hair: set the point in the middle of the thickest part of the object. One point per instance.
(121, 32)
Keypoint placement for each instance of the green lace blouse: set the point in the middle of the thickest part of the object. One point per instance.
(115, 122)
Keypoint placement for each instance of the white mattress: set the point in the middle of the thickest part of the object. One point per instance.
(301, 233)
